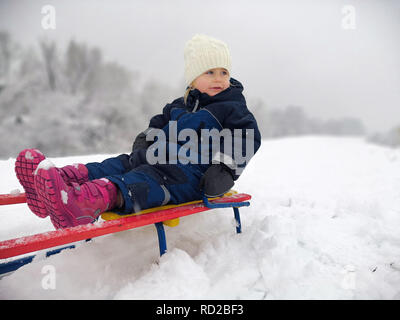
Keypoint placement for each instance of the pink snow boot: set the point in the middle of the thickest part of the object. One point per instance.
(25, 166)
(73, 205)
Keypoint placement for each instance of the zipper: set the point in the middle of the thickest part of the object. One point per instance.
(196, 105)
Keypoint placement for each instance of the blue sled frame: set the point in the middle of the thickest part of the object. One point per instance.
(162, 242)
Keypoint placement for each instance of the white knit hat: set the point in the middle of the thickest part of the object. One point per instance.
(203, 53)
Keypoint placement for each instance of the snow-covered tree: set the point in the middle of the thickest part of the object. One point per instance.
(49, 55)
(389, 138)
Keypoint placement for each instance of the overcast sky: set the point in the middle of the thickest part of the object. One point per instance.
(284, 52)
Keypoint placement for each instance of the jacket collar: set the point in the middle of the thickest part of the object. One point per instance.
(197, 100)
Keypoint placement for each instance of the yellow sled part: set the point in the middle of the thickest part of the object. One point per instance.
(109, 215)
(172, 222)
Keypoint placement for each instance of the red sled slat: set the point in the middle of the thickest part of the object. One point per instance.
(12, 198)
(18, 246)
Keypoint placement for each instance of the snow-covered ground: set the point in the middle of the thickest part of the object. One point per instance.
(324, 223)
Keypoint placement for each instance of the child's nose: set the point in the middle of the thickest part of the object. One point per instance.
(218, 77)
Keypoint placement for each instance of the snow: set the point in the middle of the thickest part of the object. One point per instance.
(28, 156)
(323, 223)
(64, 196)
(45, 164)
(15, 192)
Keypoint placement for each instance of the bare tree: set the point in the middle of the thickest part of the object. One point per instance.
(48, 49)
(8, 50)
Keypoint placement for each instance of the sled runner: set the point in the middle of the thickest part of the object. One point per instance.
(168, 215)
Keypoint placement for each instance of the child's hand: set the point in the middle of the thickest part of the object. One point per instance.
(216, 181)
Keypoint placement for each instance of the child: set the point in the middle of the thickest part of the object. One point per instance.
(77, 194)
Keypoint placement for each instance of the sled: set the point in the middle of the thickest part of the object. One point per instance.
(165, 215)
(12, 198)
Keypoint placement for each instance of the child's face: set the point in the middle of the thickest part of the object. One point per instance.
(212, 81)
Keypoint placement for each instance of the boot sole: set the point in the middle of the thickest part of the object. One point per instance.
(25, 166)
(47, 184)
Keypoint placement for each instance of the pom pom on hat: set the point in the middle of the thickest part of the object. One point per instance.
(203, 53)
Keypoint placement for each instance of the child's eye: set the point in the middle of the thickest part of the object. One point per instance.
(210, 72)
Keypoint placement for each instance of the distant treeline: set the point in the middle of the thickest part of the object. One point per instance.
(70, 102)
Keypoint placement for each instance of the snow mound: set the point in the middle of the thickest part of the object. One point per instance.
(323, 223)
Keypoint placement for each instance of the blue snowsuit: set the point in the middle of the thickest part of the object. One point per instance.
(145, 185)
